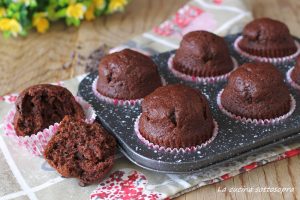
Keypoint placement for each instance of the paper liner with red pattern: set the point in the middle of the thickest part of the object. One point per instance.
(36, 143)
(199, 79)
(174, 150)
(265, 59)
(290, 80)
(117, 102)
(256, 121)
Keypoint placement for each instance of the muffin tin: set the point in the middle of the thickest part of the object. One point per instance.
(235, 139)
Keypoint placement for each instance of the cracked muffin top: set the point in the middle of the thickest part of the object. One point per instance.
(256, 90)
(204, 54)
(176, 116)
(127, 74)
(267, 38)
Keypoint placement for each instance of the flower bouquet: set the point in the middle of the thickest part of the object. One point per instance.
(17, 17)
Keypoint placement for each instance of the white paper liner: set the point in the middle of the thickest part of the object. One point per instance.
(36, 143)
(199, 79)
(256, 121)
(265, 59)
(174, 150)
(290, 80)
(118, 102)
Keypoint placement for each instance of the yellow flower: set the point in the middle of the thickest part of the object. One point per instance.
(2, 12)
(89, 14)
(41, 24)
(10, 25)
(76, 10)
(115, 5)
(99, 3)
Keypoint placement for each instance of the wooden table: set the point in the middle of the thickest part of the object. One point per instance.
(48, 58)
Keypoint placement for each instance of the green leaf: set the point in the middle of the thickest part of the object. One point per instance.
(6, 34)
(61, 13)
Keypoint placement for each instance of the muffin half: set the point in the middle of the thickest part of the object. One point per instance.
(40, 106)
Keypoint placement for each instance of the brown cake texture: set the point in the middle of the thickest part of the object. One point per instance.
(176, 116)
(81, 150)
(295, 74)
(127, 74)
(40, 106)
(266, 37)
(257, 91)
(203, 54)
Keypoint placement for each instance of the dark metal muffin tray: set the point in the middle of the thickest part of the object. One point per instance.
(235, 139)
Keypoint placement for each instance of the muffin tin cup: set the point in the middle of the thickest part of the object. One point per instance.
(117, 102)
(256, 121)
(290, 80)
(265, 59)
(199, 79)
(36, 143)
(174, 150)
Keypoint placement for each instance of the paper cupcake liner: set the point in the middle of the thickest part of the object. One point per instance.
(199, 79)
(265, 59)
(256, 121)
(174, 150)
(36, 143)
(290, 80)
(118, 102)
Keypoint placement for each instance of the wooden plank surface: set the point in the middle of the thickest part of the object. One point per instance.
(49, 58)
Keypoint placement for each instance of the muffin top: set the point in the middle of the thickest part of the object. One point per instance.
(40, 106)
(202, 53)
(267, 37)
(295, 75)
(256, 90)
(81, 150)
(127, 74)
(255, 80)
(176, 116)
(263, 30)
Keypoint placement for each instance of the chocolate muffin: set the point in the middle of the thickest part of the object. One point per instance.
(40, 106)
(127, 74)
(176, 116)
(81, 150)
(257, 91)
(266, 37)
(295, 74)
(203, 54)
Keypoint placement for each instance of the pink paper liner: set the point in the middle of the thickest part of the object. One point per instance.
(36, 143)
(199, 79)
(174, 150)
(290, 80)
(256, 121)
(117, 102)
(265, 59)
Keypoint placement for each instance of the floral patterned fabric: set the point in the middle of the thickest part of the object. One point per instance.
(30, 177)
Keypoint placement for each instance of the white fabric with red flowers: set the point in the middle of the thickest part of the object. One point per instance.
(24, 176)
